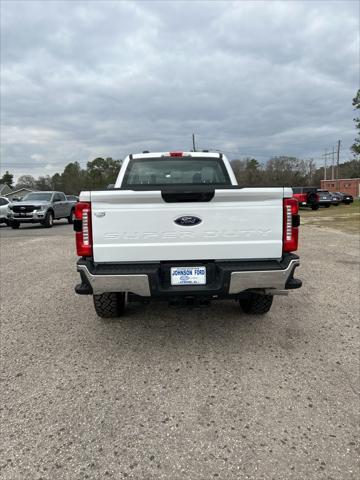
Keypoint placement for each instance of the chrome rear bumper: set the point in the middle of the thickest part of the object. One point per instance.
(151, 280)
(138, 284)
(269, 279)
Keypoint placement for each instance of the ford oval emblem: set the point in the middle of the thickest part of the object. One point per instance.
(188, 221)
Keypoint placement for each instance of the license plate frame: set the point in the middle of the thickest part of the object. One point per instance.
(188, 275)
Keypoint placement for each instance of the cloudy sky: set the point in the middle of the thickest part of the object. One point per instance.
(82, 79)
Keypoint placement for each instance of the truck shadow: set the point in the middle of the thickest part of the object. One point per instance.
(155, 327)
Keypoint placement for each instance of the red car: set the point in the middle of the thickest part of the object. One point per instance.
(307, 197)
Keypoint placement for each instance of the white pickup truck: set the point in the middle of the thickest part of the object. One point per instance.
(177, 226)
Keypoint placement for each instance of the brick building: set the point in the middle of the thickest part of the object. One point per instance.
(344, 185)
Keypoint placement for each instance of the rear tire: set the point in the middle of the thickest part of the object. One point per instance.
(71, 218)
(312, 200)
(110, 304)
(49, 220)
(327, 206)
(256, 304)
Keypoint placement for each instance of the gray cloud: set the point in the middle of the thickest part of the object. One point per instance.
(104, 78)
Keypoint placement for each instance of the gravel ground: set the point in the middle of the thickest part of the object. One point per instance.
(177, 394)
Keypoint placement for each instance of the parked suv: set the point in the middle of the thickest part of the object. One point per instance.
(325, 198)
(42, 207)
(346, 198)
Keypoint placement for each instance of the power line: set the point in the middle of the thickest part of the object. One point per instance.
(332, 153)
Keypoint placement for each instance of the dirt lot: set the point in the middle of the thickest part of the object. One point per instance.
(345, 218)
(178, 394)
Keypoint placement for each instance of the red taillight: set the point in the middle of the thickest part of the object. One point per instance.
(176, 154)
(83, 232)
(290, 225)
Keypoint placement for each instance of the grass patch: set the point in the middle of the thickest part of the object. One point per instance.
(345, 218)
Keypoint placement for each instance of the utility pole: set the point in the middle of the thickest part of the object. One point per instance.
(193, 140)
(332, 166)
(325, 155)
(338, 164)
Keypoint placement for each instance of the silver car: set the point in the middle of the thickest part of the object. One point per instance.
(43, 208)
(4, 210)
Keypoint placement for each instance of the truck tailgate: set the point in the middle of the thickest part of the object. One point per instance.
(139, 226)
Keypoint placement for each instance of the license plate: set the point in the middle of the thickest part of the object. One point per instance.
(188, 275)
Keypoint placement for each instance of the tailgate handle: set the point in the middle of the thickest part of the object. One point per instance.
(187, 196)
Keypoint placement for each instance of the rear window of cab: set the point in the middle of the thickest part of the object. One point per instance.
(176, 171)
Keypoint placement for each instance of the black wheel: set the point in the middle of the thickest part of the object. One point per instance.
(14, 224)
(347, 203)
(327, 206)
(256, 304)
(312, 200)
(336, 204)
(49, 220)
(71, 218)
(109, 305)
(315, 207)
